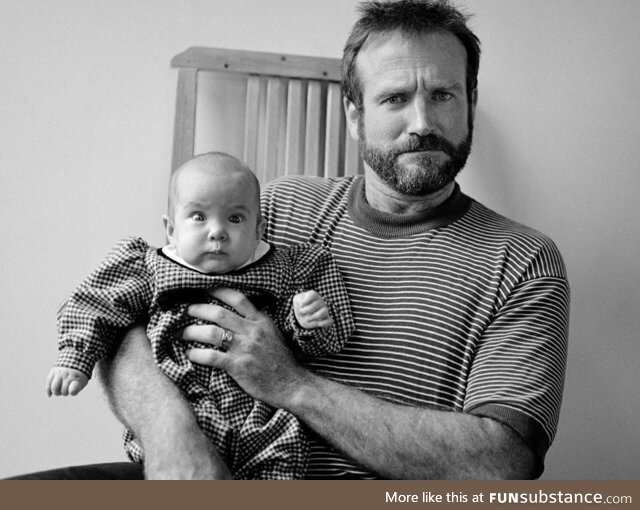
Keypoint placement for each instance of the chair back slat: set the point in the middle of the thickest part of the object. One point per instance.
(274, 139)
(334, 138)
(314, 132)
(185, 119)
(252, 121)
(295, 127)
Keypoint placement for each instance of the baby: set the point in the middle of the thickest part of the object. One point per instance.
(215, 228)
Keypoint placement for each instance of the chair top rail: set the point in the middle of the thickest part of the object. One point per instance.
(258, 62)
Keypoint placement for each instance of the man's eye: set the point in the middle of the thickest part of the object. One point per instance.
(397, 99)
(235, 218)
(442, 96)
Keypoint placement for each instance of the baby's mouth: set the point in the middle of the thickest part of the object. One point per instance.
(216, 249)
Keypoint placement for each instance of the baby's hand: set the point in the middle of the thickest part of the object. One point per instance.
(311, 311)
(65, 381)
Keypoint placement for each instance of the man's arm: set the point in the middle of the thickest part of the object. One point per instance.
(392, 440)
(407, 442)
(149, 404)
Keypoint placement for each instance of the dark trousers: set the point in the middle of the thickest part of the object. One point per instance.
(108, 471)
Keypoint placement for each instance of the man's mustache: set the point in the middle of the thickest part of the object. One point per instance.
(430, 142)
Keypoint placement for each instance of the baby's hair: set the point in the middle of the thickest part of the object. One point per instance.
(208, 160)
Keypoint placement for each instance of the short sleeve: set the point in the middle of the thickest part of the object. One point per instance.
(517, 376)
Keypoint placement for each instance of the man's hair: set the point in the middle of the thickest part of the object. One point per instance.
(410, 18)
(208, 160)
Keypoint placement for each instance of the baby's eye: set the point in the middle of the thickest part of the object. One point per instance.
(235, 218)
(198, 217)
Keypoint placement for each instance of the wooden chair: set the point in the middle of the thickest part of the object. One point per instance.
(285, 117)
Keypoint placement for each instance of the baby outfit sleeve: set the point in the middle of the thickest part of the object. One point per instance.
(316, 269)
(109, 300)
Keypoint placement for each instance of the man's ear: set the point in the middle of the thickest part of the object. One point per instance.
(168, 227)
(352, 114)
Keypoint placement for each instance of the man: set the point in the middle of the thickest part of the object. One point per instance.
(457, 365)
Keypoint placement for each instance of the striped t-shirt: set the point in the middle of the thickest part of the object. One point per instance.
(458, 308)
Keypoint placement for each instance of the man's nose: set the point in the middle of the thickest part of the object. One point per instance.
(422, 117)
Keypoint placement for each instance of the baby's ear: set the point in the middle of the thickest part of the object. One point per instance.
(168, 227)
(261, 227)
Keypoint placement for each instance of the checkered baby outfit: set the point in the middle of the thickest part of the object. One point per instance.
(136, 280)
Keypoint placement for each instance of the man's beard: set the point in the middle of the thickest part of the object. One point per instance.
(426, 173)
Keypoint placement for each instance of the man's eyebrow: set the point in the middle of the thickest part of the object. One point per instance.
(390, 88)
(398, 85)
(456, 85)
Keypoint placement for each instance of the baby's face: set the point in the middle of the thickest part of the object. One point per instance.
(215, 225)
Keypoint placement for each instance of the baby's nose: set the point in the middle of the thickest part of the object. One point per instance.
(217, 232)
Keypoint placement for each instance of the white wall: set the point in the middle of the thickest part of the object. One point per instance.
(557, 148)
(86, 109)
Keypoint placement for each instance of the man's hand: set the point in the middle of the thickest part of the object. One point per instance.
(256, 357)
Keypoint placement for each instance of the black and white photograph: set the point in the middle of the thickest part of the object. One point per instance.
(320, 240)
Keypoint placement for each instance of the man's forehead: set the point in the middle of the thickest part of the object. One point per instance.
(390, 52)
